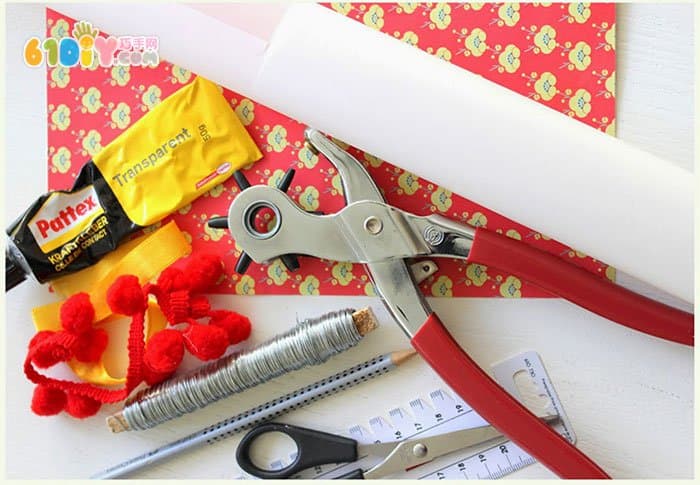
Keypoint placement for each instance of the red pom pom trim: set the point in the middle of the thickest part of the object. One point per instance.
(47, 400)
(237, 326)
(164, 352)
(81, 406)
(203, 271)
(77, 313)
(205, 341)
(126, 297)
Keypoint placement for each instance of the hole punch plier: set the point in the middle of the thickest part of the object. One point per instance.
(368, 230)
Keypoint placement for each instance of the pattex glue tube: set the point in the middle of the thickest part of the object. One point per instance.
(184, 147)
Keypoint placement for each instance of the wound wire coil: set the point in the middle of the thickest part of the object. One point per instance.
(311, 342)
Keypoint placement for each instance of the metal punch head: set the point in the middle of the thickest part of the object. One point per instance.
(356, 182)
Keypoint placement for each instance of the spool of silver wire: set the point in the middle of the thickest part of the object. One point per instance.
(311, 342)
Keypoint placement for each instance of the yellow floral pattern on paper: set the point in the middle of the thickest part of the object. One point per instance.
(610, 37)
(580, 103)
(442, 287)
(373, 161)
(546, 86)
(580, 56)
(545, 39)
(60, 29)
(610, 84)
(374, 17)
(121, 115)
(61, 160)
(443, 53)
(337, 185)
(410, 38)
(580, 12)
(407, 7)
(342, 8)
(121, 75)
(309, 198)
(510, 288)
(342, 273)
(477, 274)
(181, 75)
(478, 220)
(440, 15)
(151, 97)
(441, 199)
(91, 100)
(275, 178)
(277, 272)
(513, 234)
(60, 76)
(307, 157)
(409, 183)
(509, 59)
(246, 286)
(245, 111)
(310, 286)
(509, 13)
(92, 142)
(61, 117)
(277, 138)
(475, 43)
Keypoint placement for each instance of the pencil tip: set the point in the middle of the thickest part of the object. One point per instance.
(401, 356)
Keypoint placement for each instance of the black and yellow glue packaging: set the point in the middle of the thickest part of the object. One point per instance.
(185, 146)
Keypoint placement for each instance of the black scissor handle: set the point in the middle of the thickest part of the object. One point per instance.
(313, 448)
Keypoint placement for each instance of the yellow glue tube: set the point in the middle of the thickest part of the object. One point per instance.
(185, 146)
(190, 142)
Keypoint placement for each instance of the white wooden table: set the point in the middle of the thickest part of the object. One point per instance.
(629, 397)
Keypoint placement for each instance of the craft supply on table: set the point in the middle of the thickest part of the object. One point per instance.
(154, 352)
(144, 257)
(371, 232)
(315, 448)
(272, 409)
(442, 412)
(310, 342)
(136, 180)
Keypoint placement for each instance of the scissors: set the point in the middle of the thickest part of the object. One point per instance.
(370, 231)
(319, 448)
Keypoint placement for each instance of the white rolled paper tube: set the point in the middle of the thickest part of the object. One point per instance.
(538, 167)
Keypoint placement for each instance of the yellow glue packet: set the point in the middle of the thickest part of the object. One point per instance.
(188, 144)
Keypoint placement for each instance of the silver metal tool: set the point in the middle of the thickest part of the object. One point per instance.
(367, 230)
(319, 448)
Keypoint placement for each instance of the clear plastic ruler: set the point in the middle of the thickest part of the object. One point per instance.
(524, 376)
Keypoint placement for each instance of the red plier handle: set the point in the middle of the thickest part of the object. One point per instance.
(577, 285)
(555, 275)
(495, 405)
(369, 231)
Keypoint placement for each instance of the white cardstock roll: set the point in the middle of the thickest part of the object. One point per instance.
(554, 174)
(569, 181)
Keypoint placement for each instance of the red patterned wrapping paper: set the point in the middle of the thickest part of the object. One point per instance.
(561, 55)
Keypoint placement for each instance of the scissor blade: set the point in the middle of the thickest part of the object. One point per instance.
(414, 452)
